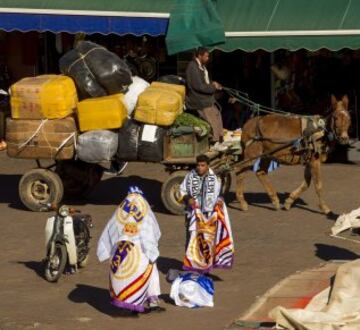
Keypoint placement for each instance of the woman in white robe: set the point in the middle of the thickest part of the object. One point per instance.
(130, 241)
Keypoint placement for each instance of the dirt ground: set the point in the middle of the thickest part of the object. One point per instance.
(269, 246)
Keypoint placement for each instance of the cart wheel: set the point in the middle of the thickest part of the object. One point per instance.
(38, 187)
(170, 191)
(79, 178)
(226, 181)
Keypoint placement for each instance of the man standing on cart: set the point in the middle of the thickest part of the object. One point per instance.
(200, 95)
(209, 241)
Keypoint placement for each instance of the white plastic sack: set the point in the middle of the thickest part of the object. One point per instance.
(193, 290)
(346, 221)
(135, 89)
(97, 146)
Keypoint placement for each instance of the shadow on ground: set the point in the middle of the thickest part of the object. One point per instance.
(261, 199)
(36, 266)
(97, 298)
(110, 191)
(113, 190)
(9, 191)
(164, 264)
(332, 252)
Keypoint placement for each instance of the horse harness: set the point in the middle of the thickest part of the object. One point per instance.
(311, 140)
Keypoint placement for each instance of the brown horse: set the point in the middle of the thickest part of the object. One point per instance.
(291, 140)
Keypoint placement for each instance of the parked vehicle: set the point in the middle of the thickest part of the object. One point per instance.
(67, 237)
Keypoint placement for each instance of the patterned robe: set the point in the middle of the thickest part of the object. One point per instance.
(130, 241)
(211, 243)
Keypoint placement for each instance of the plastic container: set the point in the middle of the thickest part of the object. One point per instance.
(107, 112)
(43, 97)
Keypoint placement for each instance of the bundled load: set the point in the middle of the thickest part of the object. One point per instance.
(41, 139)
(151, 143)
(158, 106)
(43, 97)
(97, 146)
(180, 89)
(140, 142)
(135, 89)
(109, 95)
(107, 112)
(96, 71)
(128, 141)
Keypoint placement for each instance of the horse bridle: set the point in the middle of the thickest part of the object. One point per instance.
(330, 119)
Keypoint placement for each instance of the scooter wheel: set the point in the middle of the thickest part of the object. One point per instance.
(55, 264)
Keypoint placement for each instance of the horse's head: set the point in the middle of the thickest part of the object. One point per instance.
(340, 119)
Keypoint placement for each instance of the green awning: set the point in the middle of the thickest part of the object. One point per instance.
(194, 23)
(290, 24)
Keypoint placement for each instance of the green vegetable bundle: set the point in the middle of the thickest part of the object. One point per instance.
(189, 120)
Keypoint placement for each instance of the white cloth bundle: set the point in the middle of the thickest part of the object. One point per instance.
(193, 290)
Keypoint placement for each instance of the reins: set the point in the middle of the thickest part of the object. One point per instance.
(257, 108)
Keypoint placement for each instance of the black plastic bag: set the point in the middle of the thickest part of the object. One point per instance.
(73, 66)
(110, 71)
(151, 143)
(128, 141)
(172, 79)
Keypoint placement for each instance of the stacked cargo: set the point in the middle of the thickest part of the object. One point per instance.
(117, 114)
(42, 125)
(101, 79)
(156, 110)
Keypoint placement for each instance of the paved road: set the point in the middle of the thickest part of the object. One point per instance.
(269, 246)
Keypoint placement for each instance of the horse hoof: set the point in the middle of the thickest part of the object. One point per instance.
(277, 205)
(325, 210)
(288, 204)
(244, 207)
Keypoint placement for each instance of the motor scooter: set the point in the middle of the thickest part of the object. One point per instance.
(67, 237)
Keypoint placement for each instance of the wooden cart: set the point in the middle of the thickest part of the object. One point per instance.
(74, 178)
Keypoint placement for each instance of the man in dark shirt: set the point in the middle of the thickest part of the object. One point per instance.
(200, 95)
